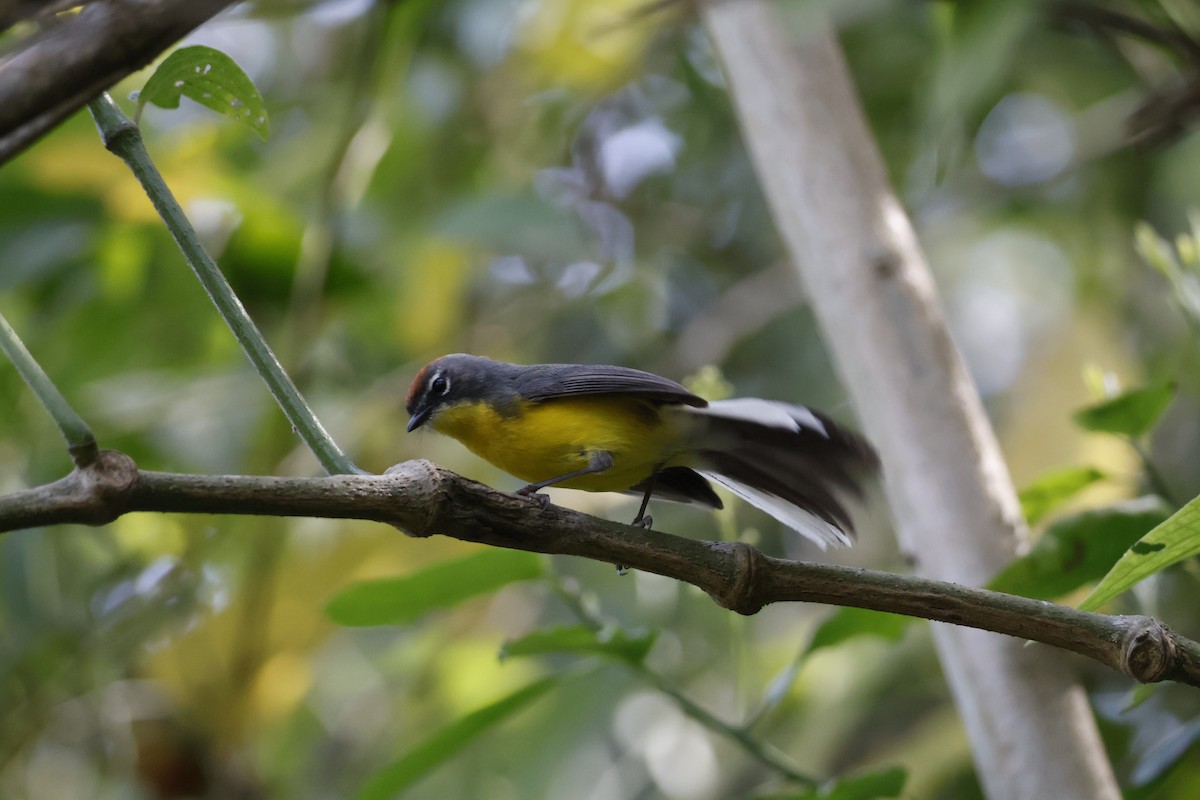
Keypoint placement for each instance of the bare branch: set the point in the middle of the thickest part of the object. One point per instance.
(64, 67)
(423, 499)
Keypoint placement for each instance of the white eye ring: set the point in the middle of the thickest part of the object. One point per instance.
(440, 384)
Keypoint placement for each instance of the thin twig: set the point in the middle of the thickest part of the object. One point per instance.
(81, 443)
(124, 139)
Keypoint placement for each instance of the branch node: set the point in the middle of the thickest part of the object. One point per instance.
(119, 134)
(426, 479)
(104, 486)
(739, 593)
(1148, 652)
(85, 453)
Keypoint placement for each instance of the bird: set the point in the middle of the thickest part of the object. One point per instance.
(605, 428)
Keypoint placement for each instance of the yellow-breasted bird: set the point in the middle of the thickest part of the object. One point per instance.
(615, 429)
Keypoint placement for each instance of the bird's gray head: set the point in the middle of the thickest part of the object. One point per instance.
(451, 380)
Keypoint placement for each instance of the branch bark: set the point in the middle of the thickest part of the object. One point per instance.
(422, 499)
(59, 70)
(1032, 731)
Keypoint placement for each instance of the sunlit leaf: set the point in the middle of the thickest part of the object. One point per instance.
(612, 642)
(1054, 488)
(1172, 541)
(1132, 413)
(435, 750)
(212, 79)
(400, 601)
(848, 623)
(1079, 548)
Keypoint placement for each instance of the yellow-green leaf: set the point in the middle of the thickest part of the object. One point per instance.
(400, 601)
(1177, 538)
(1054, 488)
(1080, 548)
(579, 639)
(1130, 414)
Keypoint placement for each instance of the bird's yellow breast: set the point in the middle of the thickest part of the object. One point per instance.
(540, 441)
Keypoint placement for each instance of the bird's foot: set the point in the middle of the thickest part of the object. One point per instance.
(531, 492)
(644, 521)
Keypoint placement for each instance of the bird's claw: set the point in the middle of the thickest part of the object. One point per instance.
(645, 522)
(535, 496)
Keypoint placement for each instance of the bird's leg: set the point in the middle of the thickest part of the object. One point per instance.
(597, 462)
(644, 520)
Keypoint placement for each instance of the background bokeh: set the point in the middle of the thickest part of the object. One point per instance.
(551, 180)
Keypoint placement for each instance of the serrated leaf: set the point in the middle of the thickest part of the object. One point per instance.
(882, 783)
(611, 642)
(1132, 413)
(1176, 538)
(1053, 489)
(400, 601)
(212, 79)
(849, 622)
(1080, 548)
(399, 775)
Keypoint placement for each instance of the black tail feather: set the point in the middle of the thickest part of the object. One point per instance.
(809, 465)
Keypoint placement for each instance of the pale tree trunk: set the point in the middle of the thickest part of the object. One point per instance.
(1031, 729)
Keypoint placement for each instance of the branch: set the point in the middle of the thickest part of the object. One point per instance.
(423, 499)
(64, 67)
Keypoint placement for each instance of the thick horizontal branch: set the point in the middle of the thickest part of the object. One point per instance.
(59, 70)
(423, 499)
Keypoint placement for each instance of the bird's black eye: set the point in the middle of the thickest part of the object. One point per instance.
(440, 385)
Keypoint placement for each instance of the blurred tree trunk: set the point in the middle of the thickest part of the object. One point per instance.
(1031, 728)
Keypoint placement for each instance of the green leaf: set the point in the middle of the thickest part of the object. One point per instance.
(1130, 414)
(887, 782)
(611, 642)
(848, 622)
(212, 79)
(399, 775)
(1079, 548)
(868, 786)
(1054, 488)
(400, 601)
(1177, 538)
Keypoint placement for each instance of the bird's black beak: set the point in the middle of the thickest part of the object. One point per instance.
(419, 418)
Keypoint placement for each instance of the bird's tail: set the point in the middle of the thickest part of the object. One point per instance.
(789, 461)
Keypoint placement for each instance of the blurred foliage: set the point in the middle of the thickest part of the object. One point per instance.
(564, 181)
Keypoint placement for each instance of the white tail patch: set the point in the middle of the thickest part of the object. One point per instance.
(771, 413)
(805, 523)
